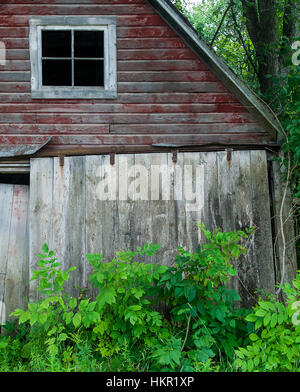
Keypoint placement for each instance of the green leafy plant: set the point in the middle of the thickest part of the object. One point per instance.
(275, 344)
(126, 313)
(199, 302)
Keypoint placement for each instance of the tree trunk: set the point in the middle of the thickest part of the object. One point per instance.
(262, 26)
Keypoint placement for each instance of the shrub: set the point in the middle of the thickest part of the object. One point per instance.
(200, 304)
(275, 346)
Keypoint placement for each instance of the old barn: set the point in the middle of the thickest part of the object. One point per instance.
(120, 126)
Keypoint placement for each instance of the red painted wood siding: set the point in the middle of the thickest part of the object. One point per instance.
(165, 93)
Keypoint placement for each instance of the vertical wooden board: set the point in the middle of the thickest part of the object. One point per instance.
(227, 172)
(93, 232)
(211, 212)
(194, 197)
(263, 251)
(286, 258)
(179, 202)
(60, 202)
(109, 216)
(40, 213)
(95, 207)
(141, 205)
(242, 217)
(226, 188)
(174, 208)
(17, 277)
(126, 206)
(159, 206)
(6, 199)
(74, 222)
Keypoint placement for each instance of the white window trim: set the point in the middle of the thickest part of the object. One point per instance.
(106, 24)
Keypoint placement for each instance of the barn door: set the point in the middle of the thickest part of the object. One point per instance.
(229, 191)
(14, 250)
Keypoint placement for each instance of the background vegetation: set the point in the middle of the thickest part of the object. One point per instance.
(260, 41)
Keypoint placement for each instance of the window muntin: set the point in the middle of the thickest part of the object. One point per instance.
(73, 59)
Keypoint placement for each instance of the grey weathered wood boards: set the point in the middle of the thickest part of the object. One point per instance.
(284, 249)
(14, 256)
(69, 209)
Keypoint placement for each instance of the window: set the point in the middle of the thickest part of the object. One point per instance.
(73, 57)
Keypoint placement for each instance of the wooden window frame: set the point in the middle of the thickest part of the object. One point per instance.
(107, 24)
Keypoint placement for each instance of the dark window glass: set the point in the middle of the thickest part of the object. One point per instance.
(56, 43)
(88, 44)
(57, 72)
(88, 73)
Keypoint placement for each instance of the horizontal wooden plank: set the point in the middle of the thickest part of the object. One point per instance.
(94, 129)
(121, 108)
(142, 87)
(10, 87)
(165, 76)
(136, 65)
(176, 87)
(138, 76)
(123, 43)
(145, 32)
(148, 43)
(17, 54)
(122, 32)
(76, 9)
(156, 54)
(122, 54)
(15, 65)
(120, 118)
(14, 32)
(122, 20)
(127, 118)
(185, 128)
(127, 140)
(139, 98)
(14, 76)
(15, 43)
(53, 129)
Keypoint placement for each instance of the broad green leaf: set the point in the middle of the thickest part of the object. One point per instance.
(267, 319)
(190, 293)
(24, 317)
(253, 337)
(73, 303)
(251, 317)
(260, 312)
(273, 320)
(76, 320)
(43, 318)
(62, 337)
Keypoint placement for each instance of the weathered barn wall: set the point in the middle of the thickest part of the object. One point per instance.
(14, 247)
(165, 93)
(67, 213)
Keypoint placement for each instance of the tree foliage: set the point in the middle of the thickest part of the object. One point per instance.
(258, 40)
